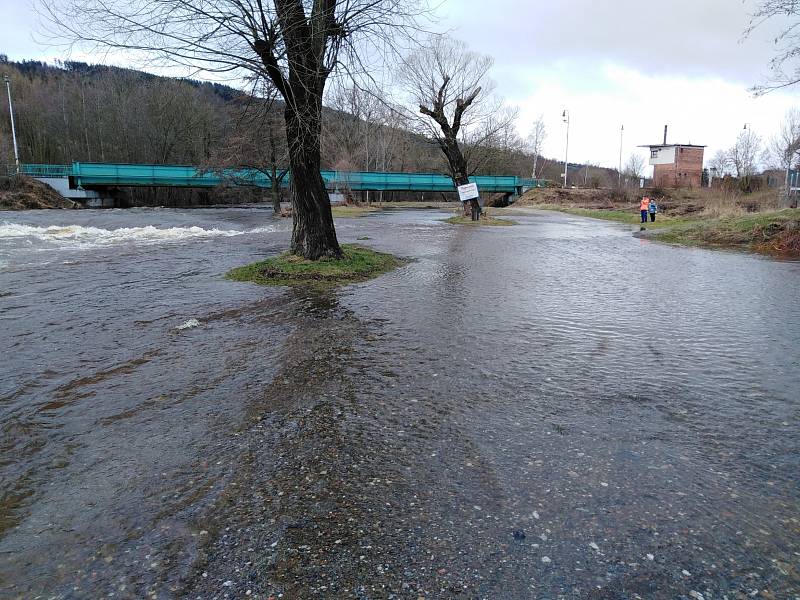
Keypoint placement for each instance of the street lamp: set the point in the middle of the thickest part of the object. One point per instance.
(619, 173)
(13, 127)
(565, 117)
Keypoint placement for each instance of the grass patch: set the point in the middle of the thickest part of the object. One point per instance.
(358, 264)
(352, 211)
(776, 233)
(484, 221)
(773, 232)
(619, 216)
(417, 204)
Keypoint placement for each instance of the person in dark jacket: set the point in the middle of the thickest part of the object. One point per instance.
(652, 209)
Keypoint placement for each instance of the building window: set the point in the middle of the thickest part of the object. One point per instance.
(653, 153)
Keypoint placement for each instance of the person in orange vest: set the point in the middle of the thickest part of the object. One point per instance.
(644, 208)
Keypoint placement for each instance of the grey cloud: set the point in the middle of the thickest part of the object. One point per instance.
(673, 37)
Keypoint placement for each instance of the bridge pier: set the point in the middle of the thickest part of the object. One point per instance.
(88, 198)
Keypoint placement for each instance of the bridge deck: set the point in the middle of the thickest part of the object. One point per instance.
(100, 175)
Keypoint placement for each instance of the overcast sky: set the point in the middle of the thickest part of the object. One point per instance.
(642, 64)
(622, 62)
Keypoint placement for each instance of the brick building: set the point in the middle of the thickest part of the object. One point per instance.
(677, 165)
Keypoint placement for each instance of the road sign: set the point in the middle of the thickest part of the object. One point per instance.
(468, 192)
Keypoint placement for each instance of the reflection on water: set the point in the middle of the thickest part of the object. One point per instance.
(602, 399)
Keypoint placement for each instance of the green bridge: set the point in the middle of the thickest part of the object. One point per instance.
(100, 176)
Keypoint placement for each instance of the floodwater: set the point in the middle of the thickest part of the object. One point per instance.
(553, 410)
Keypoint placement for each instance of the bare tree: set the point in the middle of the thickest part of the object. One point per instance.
(255, 143)
(785, 145)
(355, 130)
(488, 145)
(634, 168)
(784, 67)
(536, 141)
(744, 155)
(295, 44)
(720, 163)
(450, 86)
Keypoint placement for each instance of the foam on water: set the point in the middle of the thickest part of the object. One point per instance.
(190, 324)
(83, 236)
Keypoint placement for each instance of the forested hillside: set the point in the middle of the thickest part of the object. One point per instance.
(73, 111)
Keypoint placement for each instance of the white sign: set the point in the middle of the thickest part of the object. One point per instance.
(468, 192)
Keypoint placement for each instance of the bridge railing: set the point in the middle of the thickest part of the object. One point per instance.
(107, 174)
(40, 170)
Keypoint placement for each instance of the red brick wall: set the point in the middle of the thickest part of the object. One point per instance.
(686, 171)
(664, 176)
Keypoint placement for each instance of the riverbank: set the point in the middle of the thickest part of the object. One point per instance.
(352, 210)
(618, 216)
(774, 233)
(24, 193)
(708, 218)
(360, 210)
(690, 202)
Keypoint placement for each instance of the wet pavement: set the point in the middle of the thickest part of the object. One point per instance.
(553, 410)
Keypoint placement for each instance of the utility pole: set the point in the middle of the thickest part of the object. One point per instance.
(748, 167)
(619, 172)
(787, 191)
(13, 127)
(565, 116)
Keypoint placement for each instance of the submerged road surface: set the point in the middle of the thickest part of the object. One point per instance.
(553, 410)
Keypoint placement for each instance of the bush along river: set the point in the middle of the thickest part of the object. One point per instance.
(551, 410)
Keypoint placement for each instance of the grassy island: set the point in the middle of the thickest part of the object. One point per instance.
(358, 264)
(484, 221)
(352, 210)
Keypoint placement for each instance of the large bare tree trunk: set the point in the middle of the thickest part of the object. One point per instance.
(458, 167)
(313, 234)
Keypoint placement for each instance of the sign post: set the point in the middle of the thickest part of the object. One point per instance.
(469, 193)
(792, 187)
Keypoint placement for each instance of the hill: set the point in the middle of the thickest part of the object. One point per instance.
(74, 111)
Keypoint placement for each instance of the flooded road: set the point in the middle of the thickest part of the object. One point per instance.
(553, 410)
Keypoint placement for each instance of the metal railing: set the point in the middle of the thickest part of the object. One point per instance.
(110, 174)
(41, 170)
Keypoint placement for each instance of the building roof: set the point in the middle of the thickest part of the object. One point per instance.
(671, 145)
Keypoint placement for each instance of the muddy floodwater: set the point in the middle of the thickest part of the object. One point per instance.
(552, 410)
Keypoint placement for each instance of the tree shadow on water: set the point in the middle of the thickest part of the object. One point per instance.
(317, 302)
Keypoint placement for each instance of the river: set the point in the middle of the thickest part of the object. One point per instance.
(552, 410)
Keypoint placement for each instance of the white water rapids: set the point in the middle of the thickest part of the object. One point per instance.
(79, 236)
